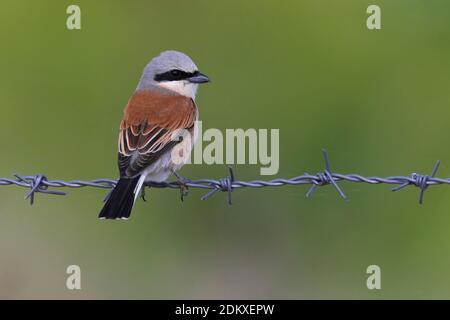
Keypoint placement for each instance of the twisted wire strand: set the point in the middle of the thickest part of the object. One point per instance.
(40, 183)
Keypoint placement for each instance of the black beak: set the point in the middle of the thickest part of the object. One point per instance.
(198, 77)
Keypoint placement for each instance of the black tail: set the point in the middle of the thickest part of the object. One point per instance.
(121, 200)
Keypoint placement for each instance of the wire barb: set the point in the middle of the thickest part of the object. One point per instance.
(420, 181)
(325, 178)
(37, 184)
(224, 184)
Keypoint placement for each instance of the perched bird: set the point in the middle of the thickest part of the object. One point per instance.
(163, 103)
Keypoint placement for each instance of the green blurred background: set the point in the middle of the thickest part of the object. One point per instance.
(377, 100)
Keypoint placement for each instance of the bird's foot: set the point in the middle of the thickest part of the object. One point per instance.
(184, 191)
(182, 182)
(143, 194)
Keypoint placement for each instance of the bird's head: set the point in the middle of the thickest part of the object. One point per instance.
(175, 71)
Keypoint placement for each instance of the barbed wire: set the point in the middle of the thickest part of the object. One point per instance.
(40, 183)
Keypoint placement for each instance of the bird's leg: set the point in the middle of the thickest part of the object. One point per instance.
(182, 182)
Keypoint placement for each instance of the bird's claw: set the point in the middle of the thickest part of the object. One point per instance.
(182, 182)
(184, 190)
(143, 194)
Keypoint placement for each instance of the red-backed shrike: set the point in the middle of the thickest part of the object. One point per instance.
(163, 103)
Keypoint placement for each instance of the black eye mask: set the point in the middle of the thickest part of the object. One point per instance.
(174, 75)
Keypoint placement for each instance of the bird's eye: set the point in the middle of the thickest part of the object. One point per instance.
(175, 73)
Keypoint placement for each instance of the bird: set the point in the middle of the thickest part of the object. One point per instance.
(162, 106)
